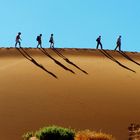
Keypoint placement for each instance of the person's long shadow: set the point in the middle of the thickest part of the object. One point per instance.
(56, 61)
(67, 60)
(114, 60)
(27, 56)
(127, 57)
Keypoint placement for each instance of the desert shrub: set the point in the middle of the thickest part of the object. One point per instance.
(55, 133)
(91, 135)
(27, 135)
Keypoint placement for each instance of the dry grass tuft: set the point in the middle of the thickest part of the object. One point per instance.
(91, 135)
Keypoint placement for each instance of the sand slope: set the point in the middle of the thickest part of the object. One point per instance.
(80, 88)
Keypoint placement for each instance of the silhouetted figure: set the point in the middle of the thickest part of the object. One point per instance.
(18, 39)
(51, 41)
(118, 43)
(39, 40)
(99, 42)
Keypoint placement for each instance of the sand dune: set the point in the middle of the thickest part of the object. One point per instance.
(78, 88)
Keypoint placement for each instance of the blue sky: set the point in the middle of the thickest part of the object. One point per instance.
(74, 23)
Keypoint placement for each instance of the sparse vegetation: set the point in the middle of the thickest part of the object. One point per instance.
(91, 135)
(28, 135)
(60, 133)
(55, 133)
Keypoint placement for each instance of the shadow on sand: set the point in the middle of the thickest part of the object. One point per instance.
(57, 62)
(67, 60)
(27, 56)
(127, 57)
(114, 60)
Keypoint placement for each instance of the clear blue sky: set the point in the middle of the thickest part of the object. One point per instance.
(75, 23)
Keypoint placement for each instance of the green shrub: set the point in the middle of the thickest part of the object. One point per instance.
(55, 133)
(27, 135)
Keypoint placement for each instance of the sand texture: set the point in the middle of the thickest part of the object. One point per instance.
(77, 88)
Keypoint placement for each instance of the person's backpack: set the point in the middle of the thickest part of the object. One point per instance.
(98, 40)
(38, 38)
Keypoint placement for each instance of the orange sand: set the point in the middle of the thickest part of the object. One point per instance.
(106, 99)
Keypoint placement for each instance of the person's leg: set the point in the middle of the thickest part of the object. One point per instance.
(19, 44)
(119, 47)
(50, 45)
(101, 45)
(16, 44)
(40, 45)
(53, 45)
(97, 45)
(37, 45)
(116, 47)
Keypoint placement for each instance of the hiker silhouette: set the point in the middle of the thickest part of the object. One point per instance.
(118, 43)
(51, 41)
(99, 42)
(39, 40)
(18, 39)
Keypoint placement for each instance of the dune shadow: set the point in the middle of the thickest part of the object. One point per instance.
(67, 60)
(56, 61)
(27, 56)
(128, 57)
(114, 60)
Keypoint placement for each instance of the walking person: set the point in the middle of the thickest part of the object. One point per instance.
(18, 39)
(99, 42)
(51, 41)
(118, 43)
(39, 40)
